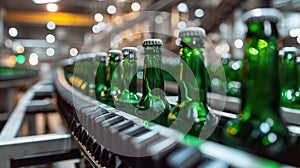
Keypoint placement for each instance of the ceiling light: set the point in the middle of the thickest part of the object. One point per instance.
(73, 52)
(13, 32)
(111, 9)
(51, 25)
(238, 43)
(135, 6)
(50, 52)
(182, 7)
(50, 38)
(52, 7)
(33, 59)
(20, 49)
(199, 13)
(98, 17)
(44, 1)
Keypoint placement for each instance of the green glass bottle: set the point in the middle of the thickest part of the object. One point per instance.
(259, 127)
(193, 85)
(100, 78)
(153, 105)
(290, 96)
(127, 98)
(112, 78)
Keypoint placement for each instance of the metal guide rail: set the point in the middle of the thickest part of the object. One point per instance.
(33, 149)
(112, 138)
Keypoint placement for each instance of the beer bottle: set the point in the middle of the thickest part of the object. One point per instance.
(100, 78)
(153, 105)
(259, 127)
(113, 74)
(290, 96)
(127, 99)
(193, 85)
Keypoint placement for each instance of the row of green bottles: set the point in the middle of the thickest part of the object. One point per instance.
(290, 94)
(259, 127)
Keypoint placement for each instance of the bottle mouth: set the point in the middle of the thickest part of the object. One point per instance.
(152, 42)
(119, 52)
(192, 32)
(261, 14)
(289, 49)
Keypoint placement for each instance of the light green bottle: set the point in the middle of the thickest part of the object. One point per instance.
(259, 127)
(127, 98)
(113, 74)
(153, 105)
(100, 78)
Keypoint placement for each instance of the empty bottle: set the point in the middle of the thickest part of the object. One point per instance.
(192, 101)
(127, 98)
(112, 78)
(259, 127)
(153, 105)
(100, 78)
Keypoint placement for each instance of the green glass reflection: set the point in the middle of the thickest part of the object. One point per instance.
(192, 96)
(259, 127)
(100, 78)
(153, 105)
(113, 74)
(127, 99)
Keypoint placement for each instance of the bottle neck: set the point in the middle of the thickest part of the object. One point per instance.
(112, 71)
(100, 75)
(129, 73)
(289, 78)
(153, 81)
(261, 91)
(193, 71)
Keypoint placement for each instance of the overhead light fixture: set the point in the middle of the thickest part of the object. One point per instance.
(50, 52)
(50, 38)
(52, 7)
(98, 17)
(182, 7)
(199, 13)
(51, 25)
(111, 9)
(45, 1)
(13, 32)
(135, 6)
(73, 52)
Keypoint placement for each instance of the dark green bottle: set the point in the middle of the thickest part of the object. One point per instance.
(259, 127)
(153, 105)
(290, 96)
(100, 78)
(127, 98)
(193, 85)
(113, 76)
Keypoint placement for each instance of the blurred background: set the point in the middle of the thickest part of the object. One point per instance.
(33, 32)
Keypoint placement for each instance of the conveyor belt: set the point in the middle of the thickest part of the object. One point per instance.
(110, 137)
